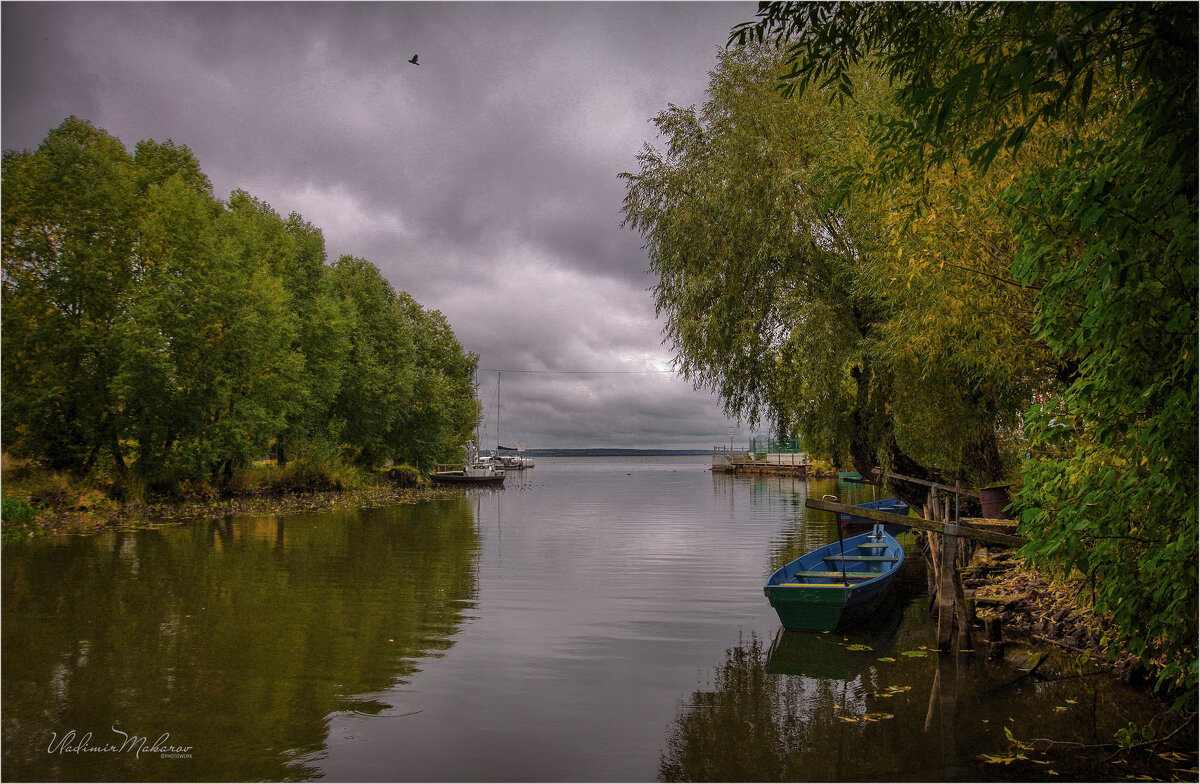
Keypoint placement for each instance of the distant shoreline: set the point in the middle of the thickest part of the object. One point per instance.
(612, 452)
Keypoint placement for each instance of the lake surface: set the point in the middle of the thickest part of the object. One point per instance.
(599, 619)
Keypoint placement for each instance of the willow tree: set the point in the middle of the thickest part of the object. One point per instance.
(777, 283)
(1105, 234)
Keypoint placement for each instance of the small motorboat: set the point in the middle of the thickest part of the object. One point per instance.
(831, 584)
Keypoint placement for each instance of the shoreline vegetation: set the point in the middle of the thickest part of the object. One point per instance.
(41, 502)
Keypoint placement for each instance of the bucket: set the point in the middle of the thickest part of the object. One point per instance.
(993, 500)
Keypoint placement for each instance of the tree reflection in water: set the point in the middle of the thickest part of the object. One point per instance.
(238, 638)
(759, 726)
(852, 707)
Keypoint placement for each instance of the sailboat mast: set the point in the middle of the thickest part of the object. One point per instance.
(498, 412)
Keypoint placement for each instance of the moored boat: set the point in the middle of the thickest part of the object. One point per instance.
(511, 462)
(851, 524)
(820, 589)
(469, 476)
(473, 472)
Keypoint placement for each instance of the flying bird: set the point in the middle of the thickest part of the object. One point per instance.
(414, 60)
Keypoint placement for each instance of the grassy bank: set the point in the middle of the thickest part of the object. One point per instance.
(36, 500)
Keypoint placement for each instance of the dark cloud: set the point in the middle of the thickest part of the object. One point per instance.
(483, 181)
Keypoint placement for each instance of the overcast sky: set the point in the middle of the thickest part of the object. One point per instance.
(482, 181)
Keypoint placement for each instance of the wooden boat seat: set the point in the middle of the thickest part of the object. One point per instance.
(872, 545)
(885, 558)
(838, 575)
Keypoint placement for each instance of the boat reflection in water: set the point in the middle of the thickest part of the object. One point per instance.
(875, 703)
(838, 656)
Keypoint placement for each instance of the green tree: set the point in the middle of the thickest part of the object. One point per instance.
(444, 409)
(158, 161)
(69, 220)
(366, 415)
(776, 286)
(408, 396)
(293, 250)
(1105, 232)
(147, 323)
(210, 368)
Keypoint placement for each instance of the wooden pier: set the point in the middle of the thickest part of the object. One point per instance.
(726, 461)
(949, 548)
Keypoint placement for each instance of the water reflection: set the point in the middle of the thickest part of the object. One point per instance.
(782, 498)
(557, 626)
(239, 639)
(876, 704)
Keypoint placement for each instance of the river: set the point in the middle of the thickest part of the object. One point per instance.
(599, 619)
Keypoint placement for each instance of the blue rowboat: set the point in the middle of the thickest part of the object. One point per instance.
(819, 590)
(851, 524)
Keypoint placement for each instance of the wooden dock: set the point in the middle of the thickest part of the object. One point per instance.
(949, 548)
(726, 461)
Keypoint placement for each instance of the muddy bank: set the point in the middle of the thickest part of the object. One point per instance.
(1028, 607)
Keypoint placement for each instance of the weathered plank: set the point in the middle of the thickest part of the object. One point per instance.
(831, 575)
(943, 487)
(883, 558)
(965, 531)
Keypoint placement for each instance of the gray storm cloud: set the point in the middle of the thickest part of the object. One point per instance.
(482, 181)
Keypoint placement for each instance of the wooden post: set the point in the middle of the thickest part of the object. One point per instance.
(964, 614)
(931, 550)
(947, 558)
(995, 636)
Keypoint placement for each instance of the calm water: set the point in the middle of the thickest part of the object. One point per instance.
(599, 619)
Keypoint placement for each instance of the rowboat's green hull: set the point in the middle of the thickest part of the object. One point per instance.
(809, 608)
(834, 583)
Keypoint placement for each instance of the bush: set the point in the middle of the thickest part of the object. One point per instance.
(15, 510)
(50, 490)
(192, 490)
(403, 475)
(315, 467)
(130, 488)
